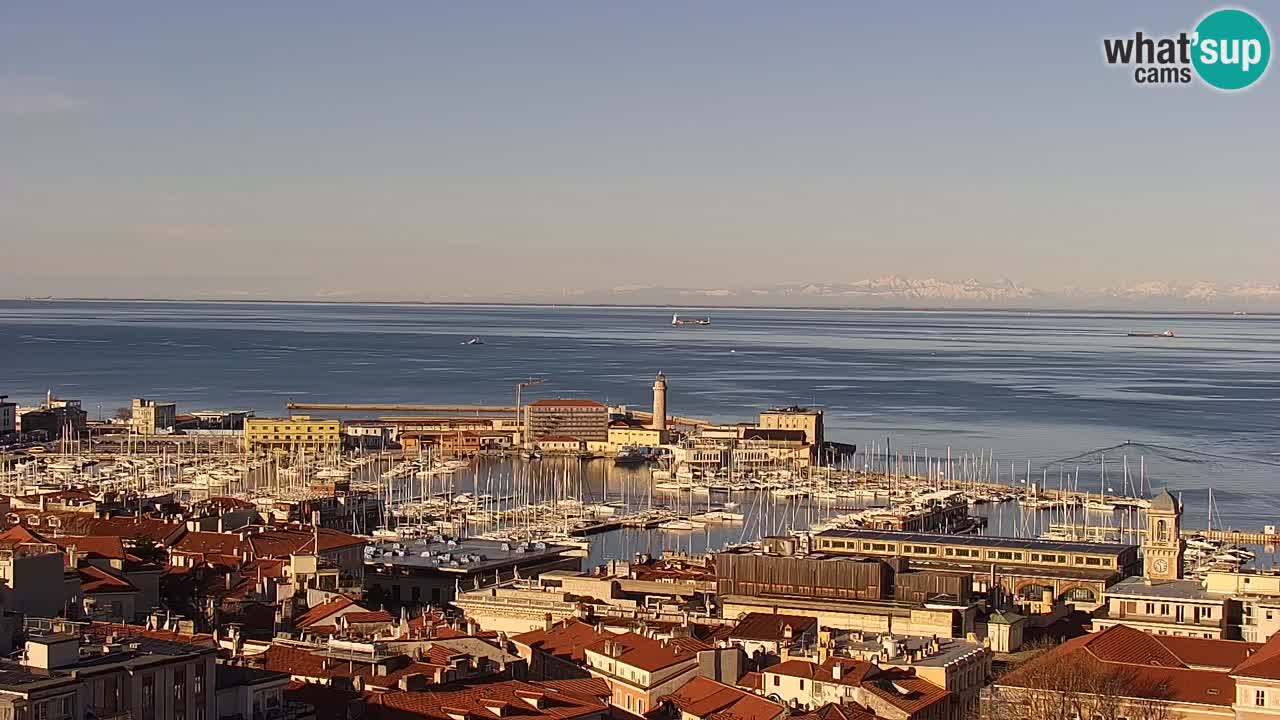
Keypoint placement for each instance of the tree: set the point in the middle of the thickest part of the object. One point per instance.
(1058, 686)
(146, 550)
(123, 413)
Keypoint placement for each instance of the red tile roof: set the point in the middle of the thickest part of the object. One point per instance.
(566, 640)
(905, 691)
(93, 546)
(95, 580)
(302, 662)
(1154, 668)
(852, 672)
(374, 616)
(767, 626)
(1265, 663)
(648, 654)
(120, 630)
(124, 527)
(513, 698)
(706, 698)
(324, 611)
(1206, 653)
(260, 542)
(831, 711)
(566, 402)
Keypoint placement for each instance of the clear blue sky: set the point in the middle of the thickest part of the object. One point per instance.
(428, 149)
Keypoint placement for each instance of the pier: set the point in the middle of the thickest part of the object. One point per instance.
(378, 407)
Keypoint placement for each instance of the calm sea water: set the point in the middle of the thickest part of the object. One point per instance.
(1052, 388)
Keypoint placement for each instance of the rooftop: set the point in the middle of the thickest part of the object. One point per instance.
(1161, 589)
(988, 541)
(646, 653)
(766, 626)
(566, 402)
(706, 698)
(461, 557)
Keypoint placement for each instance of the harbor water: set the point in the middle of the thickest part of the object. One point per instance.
(1198, 410)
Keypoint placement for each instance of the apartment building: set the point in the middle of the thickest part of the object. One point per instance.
(640, 671)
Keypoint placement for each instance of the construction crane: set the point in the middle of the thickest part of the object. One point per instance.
(520, 386)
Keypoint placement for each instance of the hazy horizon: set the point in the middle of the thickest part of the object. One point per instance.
(825, 153)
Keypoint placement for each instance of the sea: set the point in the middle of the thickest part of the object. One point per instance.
(1056, 391)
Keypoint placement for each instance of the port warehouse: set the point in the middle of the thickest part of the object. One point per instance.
(1026, 568)
(864, 594)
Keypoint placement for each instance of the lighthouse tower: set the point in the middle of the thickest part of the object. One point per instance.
(660, 402)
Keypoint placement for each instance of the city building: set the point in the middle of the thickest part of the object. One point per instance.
(1034, 574)
(34, 580)
(640, 671)
(149, 417)
(549, 700)
(627, 432)
(1124, 672)
(121, 672)
(561, 444)
(56, 418)
(1258, 596)
(298, 432)
(557, 651)
(796, 418)
(515, 610)
(885, 692)
(433, 573)
(8, 416)
(705, 699)
(766, 637)
(1181, 608)
(586, 420)
(847, 593)
(246, 693)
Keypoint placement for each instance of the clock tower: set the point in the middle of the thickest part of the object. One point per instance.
(1162, 545)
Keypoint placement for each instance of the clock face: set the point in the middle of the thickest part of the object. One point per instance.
(1161, 566)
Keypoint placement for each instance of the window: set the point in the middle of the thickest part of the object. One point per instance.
(1260, 697)
(148, 695)
(777, 681)
(1151, 608)
(801, 683)
(180, 685)
(197, 684)
(1164, 608)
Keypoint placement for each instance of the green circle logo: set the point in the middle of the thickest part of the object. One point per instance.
(1232, 49)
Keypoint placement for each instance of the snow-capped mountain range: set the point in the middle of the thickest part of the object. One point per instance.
(900, 291)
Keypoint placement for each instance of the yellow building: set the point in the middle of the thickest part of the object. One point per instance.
(623, 435)
(293, 433)
(795, 418)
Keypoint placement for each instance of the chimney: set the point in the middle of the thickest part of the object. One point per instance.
(837, 669)
(547, 622)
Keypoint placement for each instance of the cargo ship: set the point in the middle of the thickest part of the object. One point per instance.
(678, 321)
(1166, 333)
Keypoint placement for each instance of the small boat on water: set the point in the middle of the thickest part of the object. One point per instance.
(677, 321)
(1165, 334)
(473, 341)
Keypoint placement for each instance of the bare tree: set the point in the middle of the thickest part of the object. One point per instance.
(123, 413)
(1076, 686)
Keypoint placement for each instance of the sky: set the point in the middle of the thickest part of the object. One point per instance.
(434, 150)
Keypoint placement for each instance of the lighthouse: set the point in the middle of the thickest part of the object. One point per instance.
(660, 402)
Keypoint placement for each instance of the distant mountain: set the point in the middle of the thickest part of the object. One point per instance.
(899, 291)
